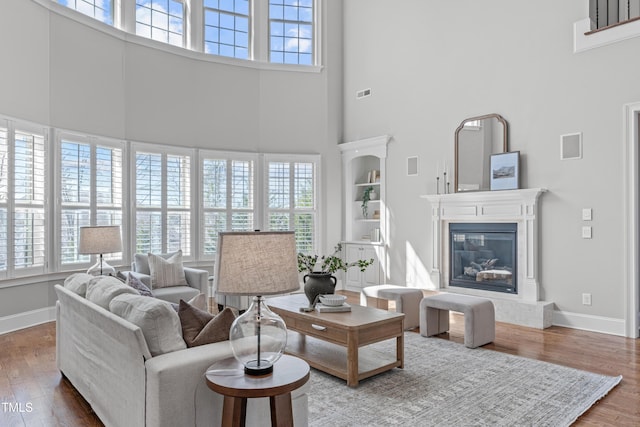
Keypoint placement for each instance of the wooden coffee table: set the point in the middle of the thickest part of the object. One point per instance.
(335, 342)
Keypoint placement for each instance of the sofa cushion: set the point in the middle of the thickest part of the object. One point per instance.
(175, 293)
(77, 283)
(167, 272)
(159, 323)
(137, 284)
(200, 327)
(102, 289)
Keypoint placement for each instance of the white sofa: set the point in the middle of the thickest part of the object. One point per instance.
(108, 360)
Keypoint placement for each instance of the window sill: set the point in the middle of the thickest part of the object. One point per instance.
(585, 39)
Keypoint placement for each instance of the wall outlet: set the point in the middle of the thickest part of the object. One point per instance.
(587, 214)
(586, 299)
(586, 232)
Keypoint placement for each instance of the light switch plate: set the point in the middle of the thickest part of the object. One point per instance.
(587, 214)
(586, 232)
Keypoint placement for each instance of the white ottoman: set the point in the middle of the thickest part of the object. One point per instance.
(479, 317)
(407, 301)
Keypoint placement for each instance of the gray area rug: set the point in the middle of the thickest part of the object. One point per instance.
(444, 383)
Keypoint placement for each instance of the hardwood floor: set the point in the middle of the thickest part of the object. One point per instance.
(33, 393)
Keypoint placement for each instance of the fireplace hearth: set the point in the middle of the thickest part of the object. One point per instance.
(483, 256)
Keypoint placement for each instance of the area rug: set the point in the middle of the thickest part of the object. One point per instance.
(444, 383)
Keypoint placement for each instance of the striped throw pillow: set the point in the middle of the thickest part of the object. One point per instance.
(167, 272)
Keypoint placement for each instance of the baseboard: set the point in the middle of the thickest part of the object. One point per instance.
(27, 319)
(586, 322)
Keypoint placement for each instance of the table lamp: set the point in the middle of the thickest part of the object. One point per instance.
(257, 264)
(99, 240)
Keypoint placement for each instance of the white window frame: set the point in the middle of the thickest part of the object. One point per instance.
(93, 142)
(229, 210)
(291, 159)
(124, 28)
(189, 253)
(183, 40)
(314, 34)
(12, 127)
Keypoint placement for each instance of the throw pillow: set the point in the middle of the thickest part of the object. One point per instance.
(77, 283)
(200, 327)
(102, 289)
(142, 262)
(136, 284)
(160, 325)
(199, 301)
(167, 272)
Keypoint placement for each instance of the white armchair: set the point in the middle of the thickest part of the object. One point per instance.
(197, 280)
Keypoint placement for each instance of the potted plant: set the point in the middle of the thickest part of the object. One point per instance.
(366, 196)
(319, 279)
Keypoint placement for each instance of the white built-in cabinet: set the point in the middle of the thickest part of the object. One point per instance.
(363, 164)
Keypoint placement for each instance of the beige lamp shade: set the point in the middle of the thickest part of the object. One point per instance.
(257, 263)
(100, 239)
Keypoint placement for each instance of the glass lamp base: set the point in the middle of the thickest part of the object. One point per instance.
(101, 269)
(254, 368)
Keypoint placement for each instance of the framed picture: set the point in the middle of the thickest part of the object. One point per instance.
(505, 171)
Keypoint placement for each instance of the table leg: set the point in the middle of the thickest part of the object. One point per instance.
(281, 410)
(352, 359)
(234, 411)
(400, 350)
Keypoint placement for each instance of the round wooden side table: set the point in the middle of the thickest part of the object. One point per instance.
(289, 373)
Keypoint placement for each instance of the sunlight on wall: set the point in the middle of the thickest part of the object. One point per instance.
(416, 274)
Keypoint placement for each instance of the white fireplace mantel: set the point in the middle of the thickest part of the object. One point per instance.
(511, 206)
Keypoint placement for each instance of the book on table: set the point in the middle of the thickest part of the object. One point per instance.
(321, 308)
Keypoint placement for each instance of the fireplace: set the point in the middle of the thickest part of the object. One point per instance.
(516, 302)
(483, 256)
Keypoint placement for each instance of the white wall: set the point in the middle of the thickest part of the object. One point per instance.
(65, 74)
(415, 56)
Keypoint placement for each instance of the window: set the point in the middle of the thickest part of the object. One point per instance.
(291, 200)
(291, 31)
(227, 197)
(226, 28)
(90, 192)
(162, 201)
(22, 201)
(161, 20)
(102, 10)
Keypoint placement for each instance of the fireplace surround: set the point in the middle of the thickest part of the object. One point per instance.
(522, 306)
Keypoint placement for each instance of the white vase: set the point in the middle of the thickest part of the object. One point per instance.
(373, 195)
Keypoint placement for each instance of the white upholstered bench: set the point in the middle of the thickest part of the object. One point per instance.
(479, 317)
(407, 301)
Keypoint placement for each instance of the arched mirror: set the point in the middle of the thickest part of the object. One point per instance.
(477, 138)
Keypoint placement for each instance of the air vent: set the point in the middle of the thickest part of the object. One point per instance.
(363, 93)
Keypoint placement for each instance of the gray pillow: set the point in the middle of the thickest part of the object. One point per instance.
(166, 272)
(159, 323)
(136, 284)
(142, 262)
(77, 283)
(102, 289)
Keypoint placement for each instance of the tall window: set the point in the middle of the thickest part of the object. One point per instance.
(22, 201)
(102, 10)
(163, 202)
(90, 192)
(291, 31)
(226, 28)
(291, 200)
(161, 20)
(227, 198)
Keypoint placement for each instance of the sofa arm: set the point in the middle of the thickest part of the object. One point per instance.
(198, 279)
(173, 379)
